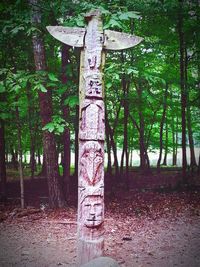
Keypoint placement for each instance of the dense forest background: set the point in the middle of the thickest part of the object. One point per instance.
(151, 91)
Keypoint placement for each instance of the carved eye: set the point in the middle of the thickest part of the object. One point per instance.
(97, 204)
(91, 83)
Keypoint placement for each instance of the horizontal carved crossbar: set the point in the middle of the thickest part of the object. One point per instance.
(113, 40)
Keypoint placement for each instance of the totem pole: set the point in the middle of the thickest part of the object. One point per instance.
(93, 41)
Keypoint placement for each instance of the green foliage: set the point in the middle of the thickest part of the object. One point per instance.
(71, 101)
(146, 68)
(57, 125)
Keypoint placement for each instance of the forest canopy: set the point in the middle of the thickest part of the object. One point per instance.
(151, 90)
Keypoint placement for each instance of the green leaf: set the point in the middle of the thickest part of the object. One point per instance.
(51, 84)
(42, 88)
(71, 101)
(52, 77)
(80, 21)
(17, 29)
(60, 128)
(2, 88)
(133, 14)
(5, 116)
(124, 16)
(16, 88)
(131, 70)
(49, 127)
(108, 85)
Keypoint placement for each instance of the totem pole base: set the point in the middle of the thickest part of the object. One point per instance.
(89, 249)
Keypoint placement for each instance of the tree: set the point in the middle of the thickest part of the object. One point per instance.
(56, 197)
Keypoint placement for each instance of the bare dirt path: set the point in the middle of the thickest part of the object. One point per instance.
(163, 230)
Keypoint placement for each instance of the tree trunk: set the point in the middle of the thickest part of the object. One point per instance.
(66, 133)
(131, 158)
(39, 158)
(20, 158)
(113, 145)
(182, 86)
(109, 165)
(76, 144)
(56, 197)
(44, 167)
(14, 160)
(144, 160)
(166, 144)
(31, 130)
(161, 126)
(193, 163)
(174, 140)
(125, 86)
(2, 162)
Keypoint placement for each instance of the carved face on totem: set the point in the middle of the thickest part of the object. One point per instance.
(91, 162)
(94, 86)
(93, 211)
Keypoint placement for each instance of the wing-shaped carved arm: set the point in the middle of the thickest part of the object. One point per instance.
(67, 35)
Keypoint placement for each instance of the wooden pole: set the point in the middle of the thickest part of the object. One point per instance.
(93, 41)
(91, 144)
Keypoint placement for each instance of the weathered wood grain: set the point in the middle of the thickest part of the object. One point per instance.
(70, 36)
(119, 40)
(91, 145)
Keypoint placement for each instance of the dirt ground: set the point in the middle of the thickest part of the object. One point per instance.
(142, 228)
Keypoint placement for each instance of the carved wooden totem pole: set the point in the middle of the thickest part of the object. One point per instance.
(93, 41)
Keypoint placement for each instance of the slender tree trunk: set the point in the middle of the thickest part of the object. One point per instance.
(161, 126)
(182, 86)
(39, 158)
(113, 145)
(66, 134)
(56, 197)
(193, 163)
(173, 143)
(122, 161)
(176, 147)
(14, 159)
(2, 162)
(20, 158)
(109, 165)
(131, 158)
(166, 144)
(173, 134)
(31, 130)
(76, 143)
(141, 134)
(144, 160)
(126, 115)
(44, 167)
